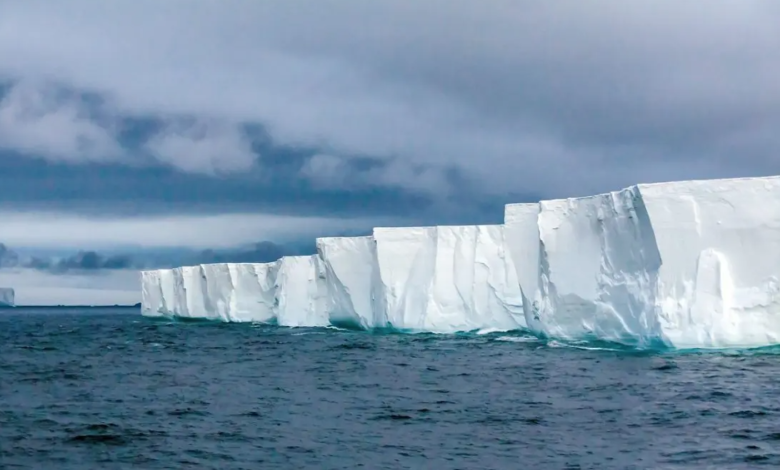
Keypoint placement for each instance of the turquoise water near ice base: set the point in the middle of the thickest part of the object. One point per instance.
(104, 388)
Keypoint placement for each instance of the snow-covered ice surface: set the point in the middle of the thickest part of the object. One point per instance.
(253, 294)
(7, 297)
(350, 269)
(300, 291)
(434, 279)
(691, 264)
(227, 292)
(720, 245)
(521, 235)
(598, 269)
(447, 279)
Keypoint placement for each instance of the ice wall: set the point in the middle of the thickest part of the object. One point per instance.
(692, 264)
(521, 235)
(351, 274)
(687, 264)
(7, 297)
(447, 279)
(598, 269)
(152, 300)
(227, 292)
(720, 244)
(300, 287)
(253, 294)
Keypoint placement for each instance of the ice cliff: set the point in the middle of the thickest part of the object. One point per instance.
(228, 292)
(446, 279)
(691, 264)
(437, 279)
(7, 297)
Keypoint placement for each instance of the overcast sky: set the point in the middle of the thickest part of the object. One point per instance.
(146, 129)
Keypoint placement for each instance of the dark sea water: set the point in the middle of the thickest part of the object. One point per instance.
(103, 389)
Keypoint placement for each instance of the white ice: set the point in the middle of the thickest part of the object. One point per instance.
(690, 264)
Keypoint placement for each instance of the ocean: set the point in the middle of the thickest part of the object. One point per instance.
(108, 389)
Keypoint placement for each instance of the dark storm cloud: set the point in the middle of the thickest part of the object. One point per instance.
(453, 101)
(280, 188)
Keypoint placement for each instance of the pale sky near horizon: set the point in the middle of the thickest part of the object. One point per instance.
(143, 133)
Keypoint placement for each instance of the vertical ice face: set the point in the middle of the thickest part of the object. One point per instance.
(227, 292)
(405, 261)
(521, 234)
(195, 294)
(475, 284)
(254, 292)
(300, 292)
(598, 268)
(719, 284)
(349, 268)
(168, 290)
(447, 279)
(151, 294)
(218, 292)
(691, 264)
(7, 297)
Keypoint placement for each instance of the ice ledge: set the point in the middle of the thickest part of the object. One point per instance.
(688, 264)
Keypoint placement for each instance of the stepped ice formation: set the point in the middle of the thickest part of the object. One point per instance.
(351, 279)
(300, 286)
(438, 279)
(228, 292)
(7, 297)
(446, 279)
(692, 264)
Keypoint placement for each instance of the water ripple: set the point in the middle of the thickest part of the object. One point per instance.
(104, 389)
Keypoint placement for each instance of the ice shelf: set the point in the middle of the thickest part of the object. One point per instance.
(689, 264)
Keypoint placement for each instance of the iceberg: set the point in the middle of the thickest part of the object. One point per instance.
(688, 264)
(692, 264)
(598, 269)
(447, 279)
(521, 235)
(229, 292)
(253, 292)
(152, 298)
(351, 279)
(7, 297)
(437, 279)
(300, 291)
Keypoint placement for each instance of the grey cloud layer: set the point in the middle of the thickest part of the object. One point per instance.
(92, 261)
(555, 98)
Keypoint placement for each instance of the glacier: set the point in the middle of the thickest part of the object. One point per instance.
(687, 264)
(7, 297)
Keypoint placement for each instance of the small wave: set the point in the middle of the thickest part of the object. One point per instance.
(587, 346)
(487, 331)
(518, 339)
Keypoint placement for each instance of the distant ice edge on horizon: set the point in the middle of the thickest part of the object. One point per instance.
(686, 264)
